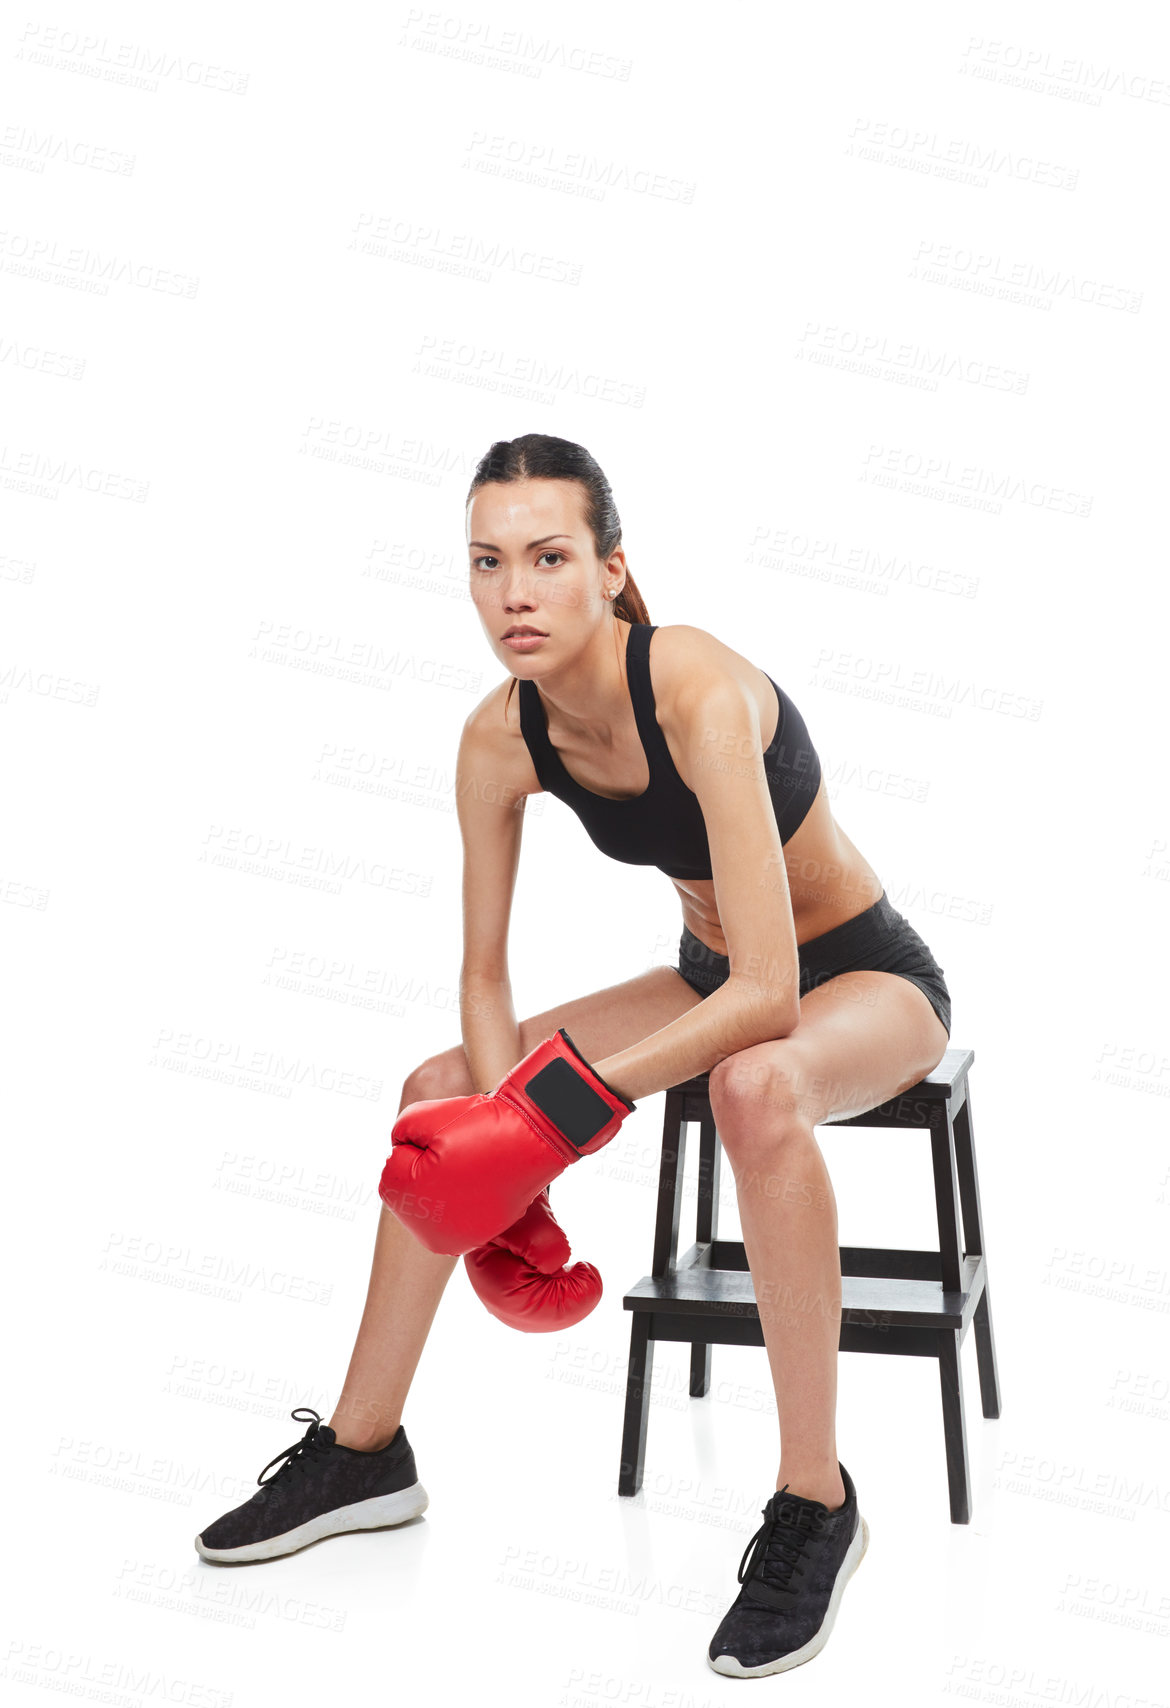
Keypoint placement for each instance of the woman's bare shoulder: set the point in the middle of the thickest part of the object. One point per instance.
(686, 658)
(493, 741)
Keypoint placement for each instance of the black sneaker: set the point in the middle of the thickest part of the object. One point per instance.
(321, 1490)
(803, 1557)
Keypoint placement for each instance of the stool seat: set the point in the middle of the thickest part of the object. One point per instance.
(906, 1302)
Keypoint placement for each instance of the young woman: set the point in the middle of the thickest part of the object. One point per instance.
(799, 987)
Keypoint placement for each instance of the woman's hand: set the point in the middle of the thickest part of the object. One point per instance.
(464, 1168)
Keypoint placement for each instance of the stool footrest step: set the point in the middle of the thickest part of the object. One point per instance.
(697, 1289)
(855, 1260)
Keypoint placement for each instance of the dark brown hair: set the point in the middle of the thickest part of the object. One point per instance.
(540, 456)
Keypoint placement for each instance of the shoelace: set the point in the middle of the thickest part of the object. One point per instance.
(296, 1455)
(779, 1546)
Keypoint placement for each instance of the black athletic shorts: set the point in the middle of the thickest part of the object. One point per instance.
(880, 939)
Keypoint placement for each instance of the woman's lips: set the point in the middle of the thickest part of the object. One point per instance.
(524, 643)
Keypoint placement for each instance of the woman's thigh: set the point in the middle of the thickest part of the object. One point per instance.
(862, 1037)
(600, 1024)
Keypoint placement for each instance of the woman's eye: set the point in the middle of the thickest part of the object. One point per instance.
(489, 562)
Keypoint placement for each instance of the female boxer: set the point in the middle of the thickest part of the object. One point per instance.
(799, 987)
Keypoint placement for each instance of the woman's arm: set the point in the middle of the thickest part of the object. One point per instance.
(730, 1019)
(491, 820)
(717, 721)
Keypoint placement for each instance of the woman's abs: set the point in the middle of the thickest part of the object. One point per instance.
(828, 879)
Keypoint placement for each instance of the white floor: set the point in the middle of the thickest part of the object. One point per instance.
(529, 1580)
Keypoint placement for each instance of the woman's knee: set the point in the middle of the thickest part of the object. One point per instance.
(444, 1075)
(761, 1107)
(764, 1082)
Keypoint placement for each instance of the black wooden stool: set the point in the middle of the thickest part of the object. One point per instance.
(919, 1303)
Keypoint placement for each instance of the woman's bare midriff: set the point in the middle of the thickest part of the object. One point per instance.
(829, 881)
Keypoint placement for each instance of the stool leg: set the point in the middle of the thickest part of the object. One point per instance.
(700, 1368)
(637, 1405)
(973, 1229)
(946, 1198)
(985, 1353)
(706, 1229)
(968, 1175)
(670, 1184)
(954, 1428)
(707, 1206)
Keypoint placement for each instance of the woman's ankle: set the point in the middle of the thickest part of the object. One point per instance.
(821, 1482)
(361, 1431)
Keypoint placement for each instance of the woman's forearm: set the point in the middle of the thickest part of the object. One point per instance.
(491, 1037)
(736, 1016)
(733, 1018)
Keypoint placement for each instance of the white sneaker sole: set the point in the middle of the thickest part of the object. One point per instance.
(731, 1668)
(374, 1514)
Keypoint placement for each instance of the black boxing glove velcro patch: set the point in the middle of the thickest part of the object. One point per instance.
(563, 1034)
(572, 1106)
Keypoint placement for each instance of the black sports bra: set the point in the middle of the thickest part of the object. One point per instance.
(663, 826)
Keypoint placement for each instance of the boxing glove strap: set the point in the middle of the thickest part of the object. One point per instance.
(593, 1071)
(567, 1098)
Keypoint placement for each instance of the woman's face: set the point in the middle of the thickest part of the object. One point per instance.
(534, 566)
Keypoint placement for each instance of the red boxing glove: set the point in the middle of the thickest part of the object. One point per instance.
(522, 1278)
(464, 1168)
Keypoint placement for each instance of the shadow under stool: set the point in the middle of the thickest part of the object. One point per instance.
(913, 1303)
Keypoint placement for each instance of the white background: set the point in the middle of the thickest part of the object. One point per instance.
(863, 313)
